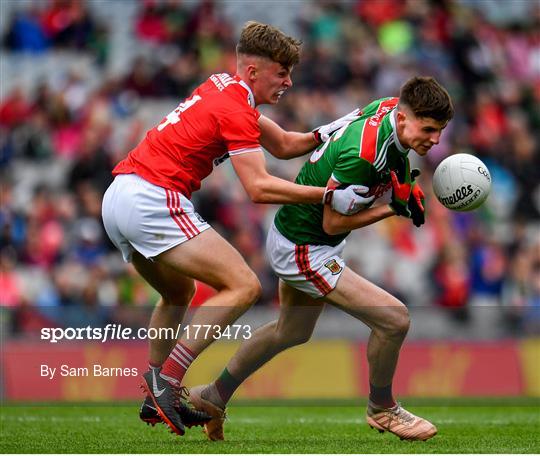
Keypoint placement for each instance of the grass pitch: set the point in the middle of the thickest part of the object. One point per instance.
(465, 426)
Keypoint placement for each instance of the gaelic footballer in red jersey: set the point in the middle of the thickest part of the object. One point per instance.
(217, 121)
(148, 214)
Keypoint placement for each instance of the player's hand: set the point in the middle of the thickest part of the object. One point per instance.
(401, 192)
(416, 200)
(323, 133)
(350, 200)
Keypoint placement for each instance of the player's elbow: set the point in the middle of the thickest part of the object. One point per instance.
(255, 195)
(257, 191)
(330, 226)
(258, 197)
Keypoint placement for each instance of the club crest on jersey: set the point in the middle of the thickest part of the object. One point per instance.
(333, 266)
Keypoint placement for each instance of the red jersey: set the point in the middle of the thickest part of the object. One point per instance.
(218, 120)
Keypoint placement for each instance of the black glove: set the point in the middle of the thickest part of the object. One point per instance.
(416, 201)
(401, 188)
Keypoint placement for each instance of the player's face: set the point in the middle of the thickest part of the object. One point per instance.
(418, 133)
(270, 80)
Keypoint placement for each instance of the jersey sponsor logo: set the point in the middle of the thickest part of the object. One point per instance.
(368, 139)
(382, 187)
(333, 266)
(222, 80)
(379, 189)
(384, 108)
(218, 161)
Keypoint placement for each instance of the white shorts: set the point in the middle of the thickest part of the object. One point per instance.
(313, 269)
(141, 216)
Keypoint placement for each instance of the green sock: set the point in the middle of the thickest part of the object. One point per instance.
(226, 385)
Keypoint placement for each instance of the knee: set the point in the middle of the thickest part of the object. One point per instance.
(287, 339)
(180, 296)
(298, 338)
(249, 290)
(401, 322)
(189, 293)
(397, 324)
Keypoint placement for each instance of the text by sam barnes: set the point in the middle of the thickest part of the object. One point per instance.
(96, 370)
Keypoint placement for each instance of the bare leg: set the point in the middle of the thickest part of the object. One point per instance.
(210, 259)
(389, 322)
(387, 317)
(298, 316)
(176, 294)
(296, 322)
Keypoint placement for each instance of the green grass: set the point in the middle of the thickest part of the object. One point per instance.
(465, 426)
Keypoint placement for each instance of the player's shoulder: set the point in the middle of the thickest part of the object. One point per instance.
(379, 106)
(373, 114)
(375, 131)
(226, 94)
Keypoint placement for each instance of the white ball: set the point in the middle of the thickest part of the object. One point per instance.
(461, 182)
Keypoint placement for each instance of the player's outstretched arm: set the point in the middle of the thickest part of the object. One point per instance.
(284, 144)
(289, 144)
(265, 188)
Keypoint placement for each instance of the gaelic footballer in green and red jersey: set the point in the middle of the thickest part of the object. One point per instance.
(362, 152)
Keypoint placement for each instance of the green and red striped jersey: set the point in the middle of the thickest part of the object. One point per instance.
(362, 152)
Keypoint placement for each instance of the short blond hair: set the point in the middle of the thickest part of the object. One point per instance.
(263, 40)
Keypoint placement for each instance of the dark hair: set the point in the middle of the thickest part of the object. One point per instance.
(427, 98)
(266, 41)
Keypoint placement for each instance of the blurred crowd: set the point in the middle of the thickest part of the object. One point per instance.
(56, 256)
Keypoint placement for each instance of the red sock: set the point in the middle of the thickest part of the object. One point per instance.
(176, 365)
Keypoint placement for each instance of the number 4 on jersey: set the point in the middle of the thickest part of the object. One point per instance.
(174, 116)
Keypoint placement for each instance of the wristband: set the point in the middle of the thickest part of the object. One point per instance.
(328, 194)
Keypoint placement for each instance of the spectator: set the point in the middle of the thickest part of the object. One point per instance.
(26, 33)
